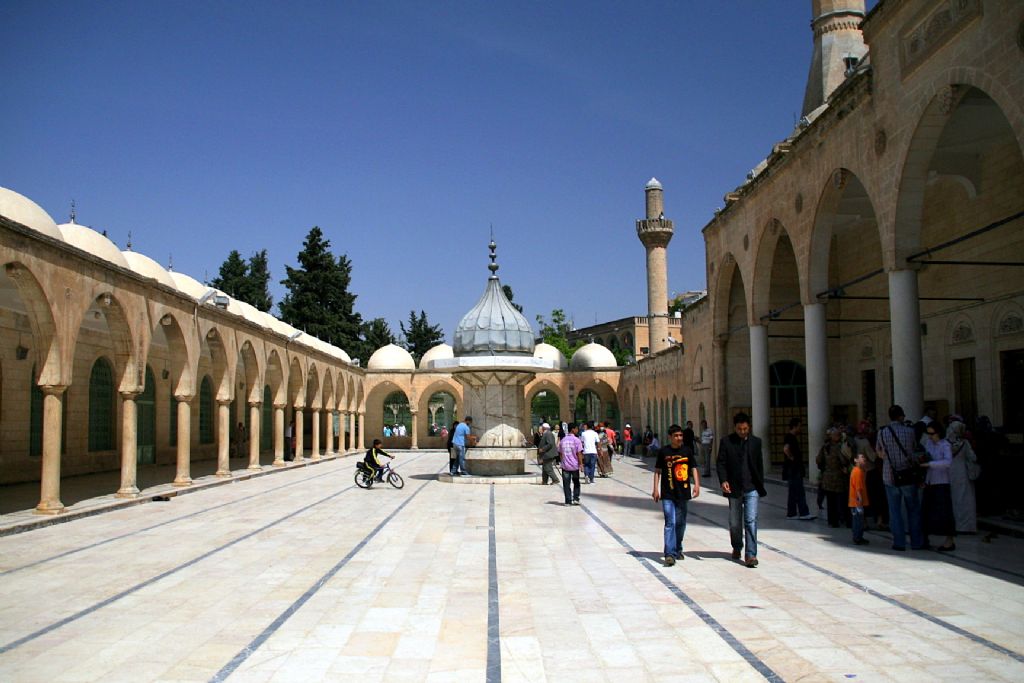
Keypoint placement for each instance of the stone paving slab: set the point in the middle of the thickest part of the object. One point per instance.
(302, 576)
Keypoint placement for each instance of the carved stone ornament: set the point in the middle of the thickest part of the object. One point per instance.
(880, 141)
(963, 333)
(948, 99)
(1011, 323)
(867, 349)
(798, 203)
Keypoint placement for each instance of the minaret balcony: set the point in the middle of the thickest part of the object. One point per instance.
(654, 232)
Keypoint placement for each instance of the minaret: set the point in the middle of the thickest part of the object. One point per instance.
(838, 48)
(655, 232)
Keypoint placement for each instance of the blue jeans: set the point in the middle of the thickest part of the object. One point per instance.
(675, 526)
(589, 465)
(797, 497)
(743, 522)
(898, 496)
(460, 458)
(627, 448)
(858, 523)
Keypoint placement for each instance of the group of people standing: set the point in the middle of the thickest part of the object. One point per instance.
(587, 454)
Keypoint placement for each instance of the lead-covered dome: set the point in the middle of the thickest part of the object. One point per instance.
(592, 357)
(493, 327)
(95, 243)
(391, 357)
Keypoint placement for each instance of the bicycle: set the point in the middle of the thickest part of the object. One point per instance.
(365, 477)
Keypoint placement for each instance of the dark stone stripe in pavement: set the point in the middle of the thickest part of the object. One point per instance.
(722, 632)
(493, 612)
(259, 640)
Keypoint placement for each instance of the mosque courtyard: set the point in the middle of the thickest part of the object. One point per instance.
(301, 576)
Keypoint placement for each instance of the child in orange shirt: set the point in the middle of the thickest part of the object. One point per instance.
(859, 497)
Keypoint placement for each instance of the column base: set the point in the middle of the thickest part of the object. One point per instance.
(187, 481)
(49, 507)
(127, 492)
(278, 463)
(223, 474)
(255, 468)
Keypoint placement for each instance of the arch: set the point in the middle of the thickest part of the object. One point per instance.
(939, 102)
(274, 378)
(46, 349)
(145, 421)
(553, 388)
(772, 235)
(437, 386)
(251, 371)
(182, 355)
(221, 373)
(102, 410)
(442, 410)
(327, 391)
(729, 274)
(296, 382)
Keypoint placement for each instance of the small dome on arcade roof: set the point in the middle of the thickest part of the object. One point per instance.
(88, 240)
(551, 353)
(25, 211)
(391, 357)
(592, 357)
(147, 267)
(436, 353)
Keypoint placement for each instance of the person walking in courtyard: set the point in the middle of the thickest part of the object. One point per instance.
(289, 439)
(858, 497)
(741, 471)
(453, 456)
(707, 442)
(895, 446)
(548, 452)
(938, 502)
(793, 473)
(627, 441)
(834, 460)
(571, 450)
(676, 481)
(590, 439)
(604, 451)
(460, 440)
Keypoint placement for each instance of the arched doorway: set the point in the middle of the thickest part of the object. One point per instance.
(788, 386)
(397, 417)
(441, 410)
(544, 407)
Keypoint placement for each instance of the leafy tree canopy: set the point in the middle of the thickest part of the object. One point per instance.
(420, 336)
(318, 301)
(248, 282)
(556, 332)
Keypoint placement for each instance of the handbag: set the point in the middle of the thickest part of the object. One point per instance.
(909, 476)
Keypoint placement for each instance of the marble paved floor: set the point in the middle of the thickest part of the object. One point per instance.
(300, 576)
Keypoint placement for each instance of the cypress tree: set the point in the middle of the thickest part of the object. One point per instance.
(421, 336)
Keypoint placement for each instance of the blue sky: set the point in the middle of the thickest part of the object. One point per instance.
(404, 130)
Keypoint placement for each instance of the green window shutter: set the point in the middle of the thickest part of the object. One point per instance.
(101, 406)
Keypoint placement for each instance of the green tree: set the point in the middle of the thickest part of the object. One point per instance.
(509, 295)
(318, 301)
(232, 278)
(556, 332)
(375, 334)
(258, 280)
(420, 336)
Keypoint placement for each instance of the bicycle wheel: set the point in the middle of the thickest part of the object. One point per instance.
(363, 480)
(395, 479)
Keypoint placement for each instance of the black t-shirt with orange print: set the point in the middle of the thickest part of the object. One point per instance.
(675, 465)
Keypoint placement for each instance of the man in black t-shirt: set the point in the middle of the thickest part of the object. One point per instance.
(676, 481)
(793, 472)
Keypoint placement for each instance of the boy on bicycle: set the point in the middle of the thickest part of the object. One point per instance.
(372, 459)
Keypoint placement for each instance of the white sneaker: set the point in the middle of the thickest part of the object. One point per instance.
(807, 517)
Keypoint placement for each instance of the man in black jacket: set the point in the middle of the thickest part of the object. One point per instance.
(741, 472)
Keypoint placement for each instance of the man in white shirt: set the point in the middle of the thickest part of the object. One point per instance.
(590, 439)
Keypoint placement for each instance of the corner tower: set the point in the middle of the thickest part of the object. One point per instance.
(655, 232)
(838, 48)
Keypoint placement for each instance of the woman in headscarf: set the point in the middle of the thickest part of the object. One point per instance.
(834, 461)
(965, 462)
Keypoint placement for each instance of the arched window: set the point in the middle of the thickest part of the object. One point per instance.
(441, 409)
(206, 411)
(101, 406)
(682, 413)
(267, 421)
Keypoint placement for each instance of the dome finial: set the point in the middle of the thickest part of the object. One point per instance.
(73, 214)
(493, 266)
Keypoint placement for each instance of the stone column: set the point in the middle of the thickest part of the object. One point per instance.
(328, 432)
(314, 414)
(49, 484)
(183, 474)
(415, 429)
(905, 328)
(278, 435)
(361, 424)
(223, 438)
(348, 430)
(299, 445)
(760, 393)
(819, 403)
(129, 445)
(254, 436)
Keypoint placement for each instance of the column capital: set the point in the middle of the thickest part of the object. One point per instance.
(53, 389)
(255, 404)
(129, 395)
(224, 401)
(184, 398)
